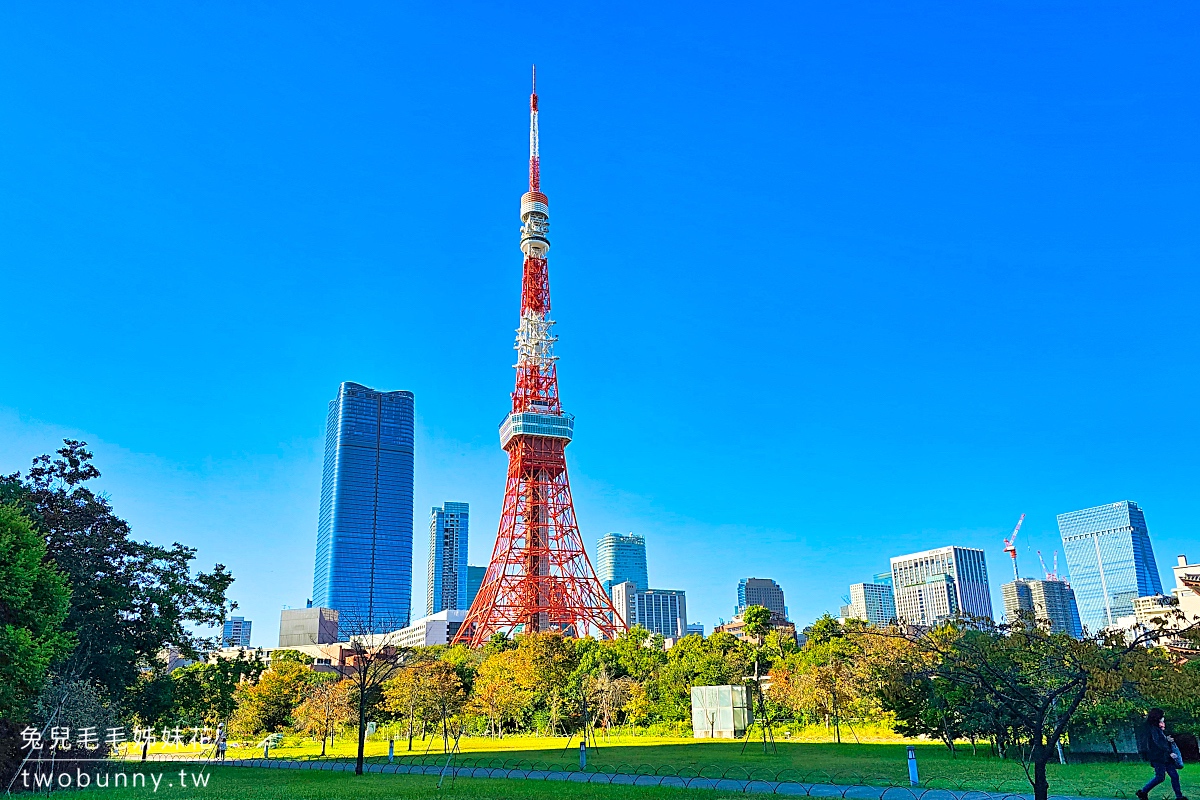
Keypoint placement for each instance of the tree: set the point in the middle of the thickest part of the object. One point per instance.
(267, 705)
(821, 679)
(407, 693)
(446, 693)
(203, 694)
(374, 659)
(544, 665)
(607, 695)
(694, 661)
(757, 620)
(329, 704)
(128, 599)
(1038, 678)
(499, 695)
(34, 600)
(291, 657)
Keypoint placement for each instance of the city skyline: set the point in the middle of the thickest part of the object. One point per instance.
(943, 210)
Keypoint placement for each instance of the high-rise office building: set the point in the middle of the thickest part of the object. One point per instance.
(657, 610)
(446, 587)
(621, 557)
(944, 582)
(365, 529)
(1049, 601)
(873, 602)
(1111, 561)
(236, 632)
(474, 581)
(761, 592)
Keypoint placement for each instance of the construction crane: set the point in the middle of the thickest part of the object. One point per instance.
(1050, 575)
(1010, 547)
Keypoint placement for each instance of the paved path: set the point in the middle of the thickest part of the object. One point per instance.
(786, 788)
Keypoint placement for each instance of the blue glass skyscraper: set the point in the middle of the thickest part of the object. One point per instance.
(365, 528)
(1108, 552)
(447, 584)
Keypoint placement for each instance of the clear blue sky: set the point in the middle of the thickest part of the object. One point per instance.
(833, 283)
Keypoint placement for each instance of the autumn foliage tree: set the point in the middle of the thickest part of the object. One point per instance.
(328, 706)
(268, 704)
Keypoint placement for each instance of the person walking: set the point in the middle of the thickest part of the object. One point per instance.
(221, 742)
(1160, 752)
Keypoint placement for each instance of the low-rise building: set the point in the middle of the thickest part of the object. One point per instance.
(435, 629)
(1180, 609)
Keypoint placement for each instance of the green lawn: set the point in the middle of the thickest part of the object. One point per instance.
(809, 762)
(261, 784)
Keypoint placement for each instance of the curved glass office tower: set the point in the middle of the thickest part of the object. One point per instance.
(365, 528)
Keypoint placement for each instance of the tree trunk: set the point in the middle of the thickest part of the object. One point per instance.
(411, 712)
(1041, 789)
(362, 729)
(445, 734)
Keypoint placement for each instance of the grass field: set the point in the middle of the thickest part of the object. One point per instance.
(809, 762)
(261, 784)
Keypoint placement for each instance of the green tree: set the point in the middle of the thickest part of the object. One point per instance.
(639, 653)
(1040, 679)
(34, 601)
(203, 694)
(545, 663)
(447, 695)
(290, 657)
(695, 661)
(757, 621)
(129, 599)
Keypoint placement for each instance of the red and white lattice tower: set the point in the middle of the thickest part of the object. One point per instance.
(539, 578)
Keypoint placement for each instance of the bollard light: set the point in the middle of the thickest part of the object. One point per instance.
(266, 749)
(912, 766)
(391, 750)
(583, 755)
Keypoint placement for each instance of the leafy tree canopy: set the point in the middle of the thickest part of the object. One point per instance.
(129, 599)
(33, 605)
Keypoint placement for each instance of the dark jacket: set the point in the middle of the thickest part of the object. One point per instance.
(1158, 747)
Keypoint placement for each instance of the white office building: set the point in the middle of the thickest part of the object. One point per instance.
(873, 602)
(934, 585)
(661, 611)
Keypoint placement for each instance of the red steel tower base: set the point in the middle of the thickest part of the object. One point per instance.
(539, 578)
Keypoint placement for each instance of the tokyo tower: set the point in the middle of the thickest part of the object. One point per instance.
(539, 578)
